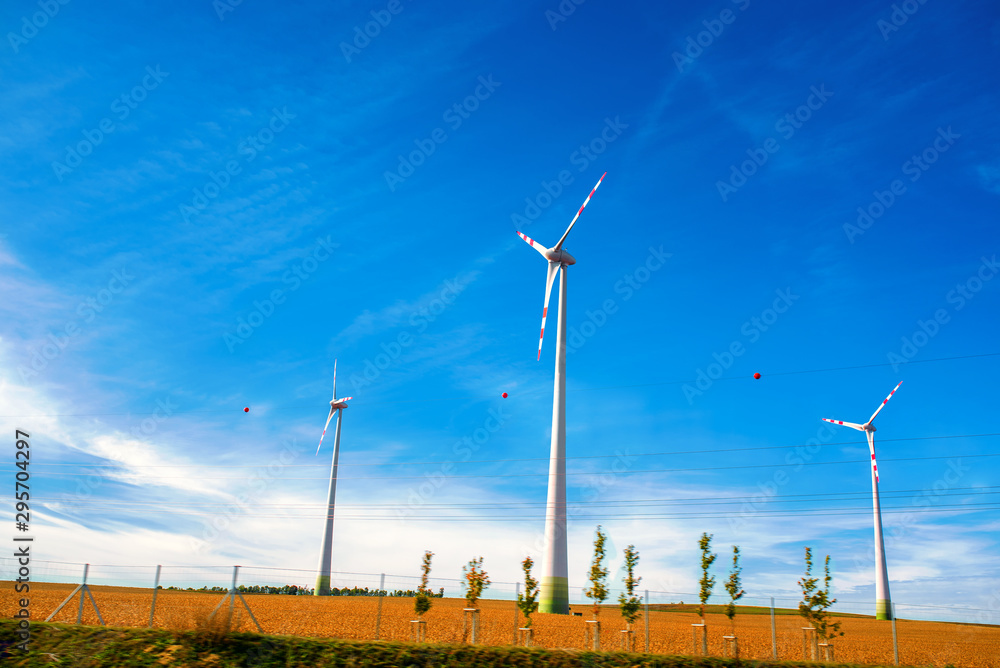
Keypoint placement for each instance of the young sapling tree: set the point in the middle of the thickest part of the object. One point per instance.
(629, 602)
(526, 602)
(422, 602)
(476, 581)
(733, 586)
(598, 590)
(707, 582)
(815, 601)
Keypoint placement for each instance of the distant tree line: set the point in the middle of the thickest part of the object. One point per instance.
(295, 590)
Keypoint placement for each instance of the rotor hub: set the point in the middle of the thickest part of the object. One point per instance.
(560, 256)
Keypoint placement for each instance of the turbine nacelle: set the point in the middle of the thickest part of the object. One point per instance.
(557, 258)
(560, 256)
(868, 428)
(335, 405)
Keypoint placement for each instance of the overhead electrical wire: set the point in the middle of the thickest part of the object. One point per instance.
(521, 517)
(514, 505)
(522, 459)
(530, 392)
(545, 475)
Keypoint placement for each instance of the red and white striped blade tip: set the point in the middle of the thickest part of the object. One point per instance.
(582, 207)
(325, 427)
(550, 278)
(541, 335)
(884, 402)
(852, 425)
(531, 242)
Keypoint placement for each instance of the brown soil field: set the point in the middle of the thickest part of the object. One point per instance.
(354, 617)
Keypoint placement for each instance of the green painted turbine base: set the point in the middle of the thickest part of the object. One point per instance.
(882, 609)
(553, 596)
(322, 585)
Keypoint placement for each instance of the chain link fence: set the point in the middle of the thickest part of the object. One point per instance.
(376, 606)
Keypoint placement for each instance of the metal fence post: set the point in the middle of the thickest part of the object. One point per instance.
(647, 621)
(79, 614)
(232, 597)
(774, 637)
(378, 618)
(83, 590)
(895, 645)
(517, 595)
(156, 587)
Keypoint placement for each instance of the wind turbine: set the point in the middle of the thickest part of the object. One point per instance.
(326, 557)
(554, 590)
(883, 605)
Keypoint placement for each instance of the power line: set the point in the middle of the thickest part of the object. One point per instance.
(545, 475)
(523, 459)
(824, 512)
(513, 505)
(539, 391)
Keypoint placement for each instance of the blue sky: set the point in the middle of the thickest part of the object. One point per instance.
(206, 204)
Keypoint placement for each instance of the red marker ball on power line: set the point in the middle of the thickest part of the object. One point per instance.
(756, 375)
(246, 410)
(504, 395)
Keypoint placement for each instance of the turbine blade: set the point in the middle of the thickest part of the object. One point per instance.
(871, 448)
(884, 402)
(328, 418)
(846, 424)
(534, 244)
(552, 271)
(334, 378)
(573, 222)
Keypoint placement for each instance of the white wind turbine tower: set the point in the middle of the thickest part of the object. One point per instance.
(554, 590)
(326, 557)
(883, 605)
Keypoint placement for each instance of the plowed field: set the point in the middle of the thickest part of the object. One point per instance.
(866, 640)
